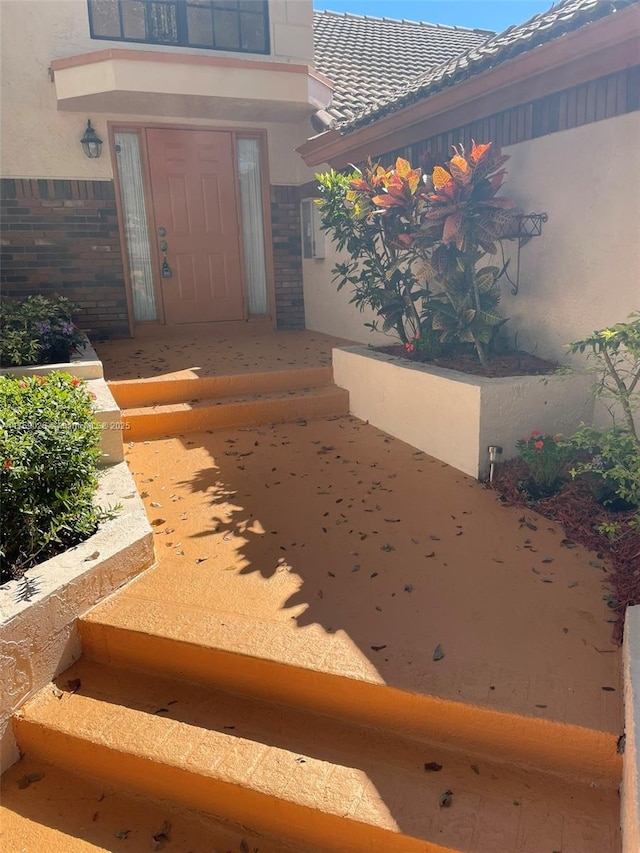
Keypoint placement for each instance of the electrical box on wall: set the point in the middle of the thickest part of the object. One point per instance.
(312, 233)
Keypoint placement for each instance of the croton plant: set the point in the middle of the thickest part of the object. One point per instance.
(416, 242)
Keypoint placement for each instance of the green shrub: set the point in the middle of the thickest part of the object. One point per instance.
(38, 330)
(49, 450)
(547, 459)
(612, 458)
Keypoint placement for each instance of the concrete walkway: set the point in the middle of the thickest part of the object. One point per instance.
(340, 539)
(345, 645)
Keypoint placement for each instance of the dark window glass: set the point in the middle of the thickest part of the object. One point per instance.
(238, 25)
(106, 18)
(162, 23)
(133, 20)
(200, 25)
(252, 29)
(226, 29)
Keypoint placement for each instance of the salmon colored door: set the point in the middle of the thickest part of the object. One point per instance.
(194, 199)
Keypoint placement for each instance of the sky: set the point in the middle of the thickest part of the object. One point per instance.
(484, 14)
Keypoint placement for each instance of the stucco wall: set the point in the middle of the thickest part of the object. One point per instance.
(38, 31)
(583, 272)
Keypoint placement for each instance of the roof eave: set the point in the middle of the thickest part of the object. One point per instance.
(602, 40)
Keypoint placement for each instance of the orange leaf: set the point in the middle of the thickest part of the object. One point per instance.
(360, 184)
(440, 178)
(478, 151)
(384, 200)
(460, 169)
(403, 167)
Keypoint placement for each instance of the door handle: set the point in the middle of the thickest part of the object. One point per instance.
(165, 269)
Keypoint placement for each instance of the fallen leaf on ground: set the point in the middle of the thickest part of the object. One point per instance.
(93, 556)
(378, 648)
(438, 653)
(432, 767)
(124, 833)
(446, 799)
(74, 685)
(158, 521)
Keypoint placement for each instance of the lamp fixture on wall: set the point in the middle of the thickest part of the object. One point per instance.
(91, 142)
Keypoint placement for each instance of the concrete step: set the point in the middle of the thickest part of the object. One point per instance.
(244, 410)
(307, 779)
(62, 812)
(185, 385)
(275, 663)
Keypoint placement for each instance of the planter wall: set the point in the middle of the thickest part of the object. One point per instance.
(38, 615)
(454, 416)
(84, 365)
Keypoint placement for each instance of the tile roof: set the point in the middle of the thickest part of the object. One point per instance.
(562, 18)
(368, 59)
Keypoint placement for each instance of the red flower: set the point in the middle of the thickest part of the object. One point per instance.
(7, 464)
(91, 394)
(538, 444)
(408, 347)
(22, 384)
(75, 382)
(535, 432)
(417, 336)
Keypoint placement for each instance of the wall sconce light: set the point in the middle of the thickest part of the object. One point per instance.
(91, 142)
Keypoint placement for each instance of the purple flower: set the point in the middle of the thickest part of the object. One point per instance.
(67, 328)
(43, 327)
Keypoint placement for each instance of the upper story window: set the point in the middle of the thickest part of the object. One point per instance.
(237, 25)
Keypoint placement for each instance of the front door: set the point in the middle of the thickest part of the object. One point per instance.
(193, 186)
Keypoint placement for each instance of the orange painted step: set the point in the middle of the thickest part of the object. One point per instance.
(66, 813)
(304, 778)
(184, 385)
(267, 662)
(248, 410)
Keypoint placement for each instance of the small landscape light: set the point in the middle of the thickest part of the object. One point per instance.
(494, 451)
(91, 142)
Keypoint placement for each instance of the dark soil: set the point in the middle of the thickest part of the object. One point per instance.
(577, 510)
(500, 365)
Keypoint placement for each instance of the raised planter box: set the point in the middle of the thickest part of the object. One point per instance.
(84, 365)
(38, 614)
(454, 416)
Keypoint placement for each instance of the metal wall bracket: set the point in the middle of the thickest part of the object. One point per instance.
(522, 228)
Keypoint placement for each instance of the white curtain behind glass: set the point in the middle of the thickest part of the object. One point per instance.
(135, 225)
(252, 224)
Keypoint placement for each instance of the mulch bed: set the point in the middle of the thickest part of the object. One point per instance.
(576, 509)
(506, 364)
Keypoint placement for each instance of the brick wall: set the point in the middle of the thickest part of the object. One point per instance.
(287, 257)
(62, 237)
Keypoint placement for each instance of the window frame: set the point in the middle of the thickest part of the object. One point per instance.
(183, 30)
